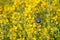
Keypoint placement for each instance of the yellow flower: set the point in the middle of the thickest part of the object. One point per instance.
(21, 39)
(44, 5)
(1, 34)
(48, 37)
(1, 21)
(29, 30)
(15, 27)
(52, 7)
(58, 12)
(34, 38)
(20, 27)
(35, 31)
(13, 21)
(11, 29)
(47, 18)
(7, 20)
(40, 38)
(29, 17)
(45, 31)
(52, 30)
(57, 22)
(12, 37)
(9, 8)
(1, 8)
(12, 8)
(25, 14)
(55, 18)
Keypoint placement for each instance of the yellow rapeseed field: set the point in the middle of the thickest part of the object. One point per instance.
(18, 19)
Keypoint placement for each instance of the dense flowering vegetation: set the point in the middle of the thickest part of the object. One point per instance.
(17, 19)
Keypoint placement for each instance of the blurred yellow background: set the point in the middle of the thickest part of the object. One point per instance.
(17, 19)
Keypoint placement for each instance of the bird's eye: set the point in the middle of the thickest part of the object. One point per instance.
(38, 20)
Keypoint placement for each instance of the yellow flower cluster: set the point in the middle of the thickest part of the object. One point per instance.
(18, 20)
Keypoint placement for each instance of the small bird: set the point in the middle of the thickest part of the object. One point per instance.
(38, 23)
(38, 20)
